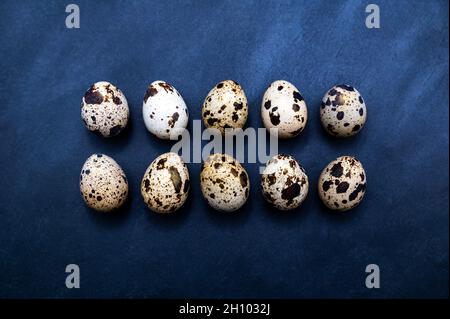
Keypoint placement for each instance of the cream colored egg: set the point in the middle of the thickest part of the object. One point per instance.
(283, 108)
(165, 184)
(284, 182)
(224, 183)
(103, 183)
(343, 112)
(104, 109)
(342, 183)
(225, 106)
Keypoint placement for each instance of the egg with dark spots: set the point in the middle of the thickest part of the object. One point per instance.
(284, 182)
(343, 111)
(225, 106)
(224, 182)
(342, 183)
(165, 184)
(103, 184)
(104, 109)
(164, 111)
(284, 109)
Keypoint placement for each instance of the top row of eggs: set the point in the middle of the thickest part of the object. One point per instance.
(105, 109)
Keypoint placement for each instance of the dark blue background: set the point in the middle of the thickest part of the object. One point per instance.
(402, 225)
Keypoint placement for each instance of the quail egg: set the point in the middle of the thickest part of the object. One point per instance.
(284, 182)
(224, 182)
(342, 183)
(225, 106)
(284, 108)
(104, 109)
(343, 111)
(165, 184)
(103, 183)
(164, 111)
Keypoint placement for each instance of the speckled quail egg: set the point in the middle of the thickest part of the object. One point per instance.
(164, 111)
(284, 182)
(165, 184)
(342, 183)
(343, 111)
(224, 182)
(104, 109)
(103, 183)
(225, 106)
(284, 108)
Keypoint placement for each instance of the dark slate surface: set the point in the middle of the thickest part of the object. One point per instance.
(402, 225)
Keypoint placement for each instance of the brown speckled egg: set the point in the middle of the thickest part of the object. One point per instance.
(104, 109)
(103, 183)
(342, 183)
(224, 182)
(284, 108)
(284, 182)
(165, 184)
(343, 112)
(225, 106)
(164, 111)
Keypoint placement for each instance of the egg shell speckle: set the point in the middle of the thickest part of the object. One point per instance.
(225, 106)
(164, 111)
(103, 184)
(284, 182)
(342, 183)
(284, 108)
(165, 184)
(224, 182)
(343, 111)
(104, 109)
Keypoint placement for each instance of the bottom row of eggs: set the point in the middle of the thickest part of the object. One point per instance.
(224, 183)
